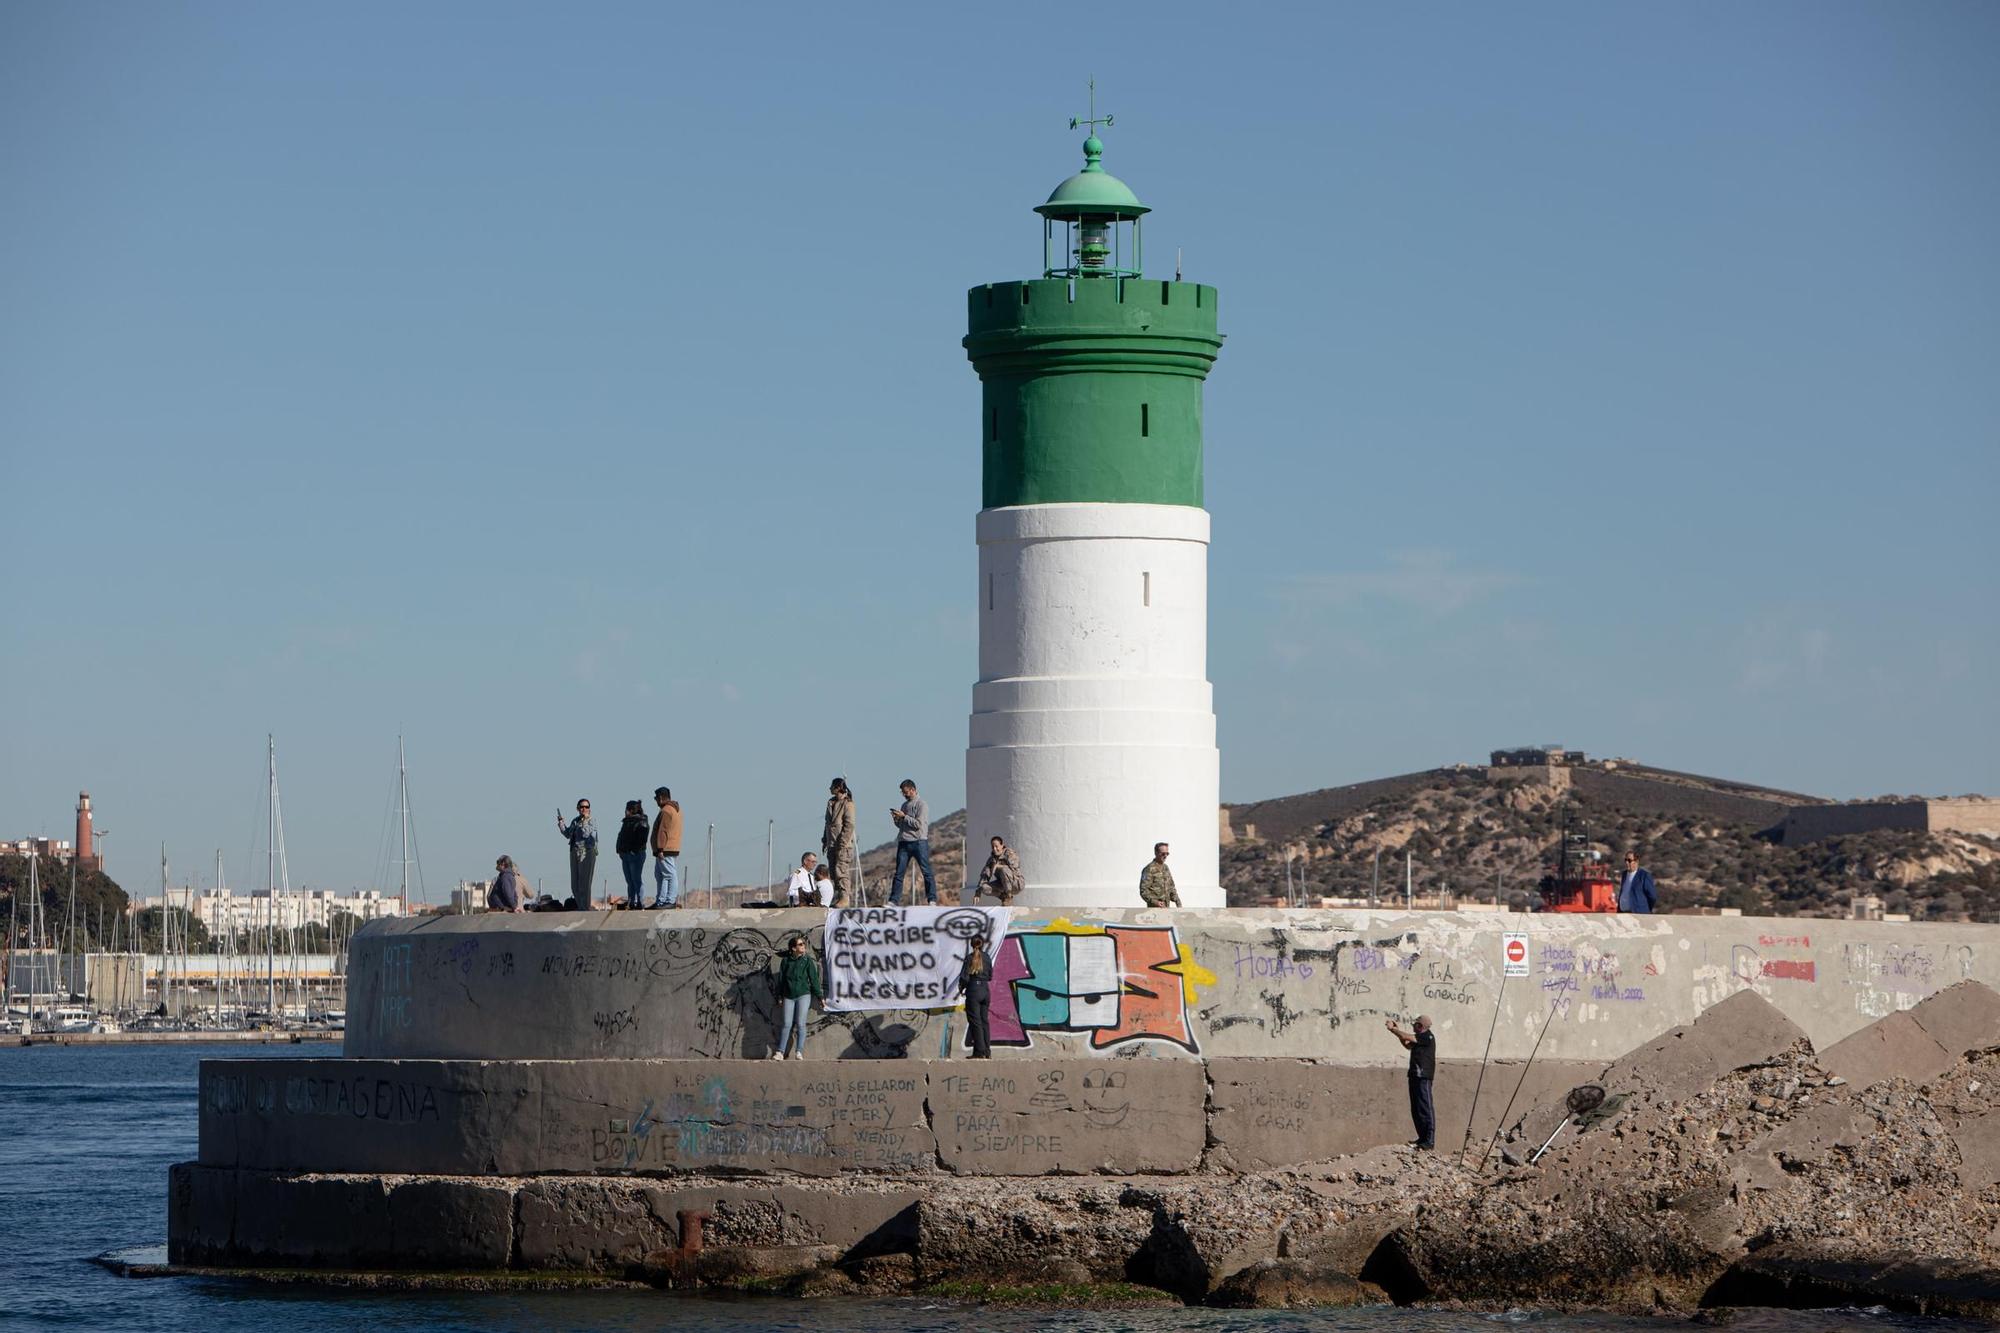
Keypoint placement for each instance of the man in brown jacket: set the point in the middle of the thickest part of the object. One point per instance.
(837, 840)
(666, 850)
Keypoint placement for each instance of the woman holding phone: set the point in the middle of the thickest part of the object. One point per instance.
(582, 835)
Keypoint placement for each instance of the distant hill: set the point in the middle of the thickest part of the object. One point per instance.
(1708, 842)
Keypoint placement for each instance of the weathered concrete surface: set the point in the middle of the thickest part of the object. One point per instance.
(664, 1117)
(423, 1116)
(1059, 1118)
(1923, 1042)
(1268, 1114)
(1293, 985)
(808, 1118)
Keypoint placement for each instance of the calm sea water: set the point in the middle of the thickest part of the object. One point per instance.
(86, 1134)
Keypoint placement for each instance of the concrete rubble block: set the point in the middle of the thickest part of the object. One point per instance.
(1977, 1139)
(307, 1221)
(332, 1115)
(1892, 1047)
(588, 1224)
(856, 1217)
(1742, 1031)
(1801, 1275)
(807, 1117)
(451, 1223)
(1043, 1231)
(1807, 1139)
(1962, 1018)
(1041, 1117)
(1281, 1284)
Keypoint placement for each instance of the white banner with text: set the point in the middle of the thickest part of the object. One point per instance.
(903, 957)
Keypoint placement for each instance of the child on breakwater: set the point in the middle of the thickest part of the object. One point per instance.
(799, 985)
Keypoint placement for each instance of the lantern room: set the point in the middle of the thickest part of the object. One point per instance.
(1090, 225)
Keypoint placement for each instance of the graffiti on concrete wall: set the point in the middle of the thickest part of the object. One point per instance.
(1119, 984)
(727, 982)
(1282, 981)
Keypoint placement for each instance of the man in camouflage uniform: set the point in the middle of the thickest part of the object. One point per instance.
(1156, 882)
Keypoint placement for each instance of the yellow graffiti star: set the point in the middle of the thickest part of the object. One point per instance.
(1191, 973)
(1062, 925)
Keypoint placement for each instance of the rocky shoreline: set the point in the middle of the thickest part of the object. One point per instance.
(1730, 1164)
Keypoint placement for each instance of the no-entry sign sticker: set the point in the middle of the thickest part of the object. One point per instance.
(1514, 955)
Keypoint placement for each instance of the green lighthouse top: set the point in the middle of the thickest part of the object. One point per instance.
(1098, 212)
(1092, 192)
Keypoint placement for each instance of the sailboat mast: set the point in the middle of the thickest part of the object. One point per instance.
(69, 987)
(271, 887)
(34, 902)
(13, 929)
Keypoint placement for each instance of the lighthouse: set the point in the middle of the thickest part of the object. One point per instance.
(1092, 734)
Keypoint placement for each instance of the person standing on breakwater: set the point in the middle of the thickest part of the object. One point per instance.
(836, 840)
(798, 986)
(975, 983)
(666, 850)
(913, 843)
(1002, 875)
(632, 853)
(1635, 891)
(505, 895)
(1156, 882)
(1422, 1046)
(582, 835)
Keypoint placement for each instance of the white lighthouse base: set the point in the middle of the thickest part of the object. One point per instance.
(1093, 722)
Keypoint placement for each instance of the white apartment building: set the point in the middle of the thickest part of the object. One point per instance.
(222, 912)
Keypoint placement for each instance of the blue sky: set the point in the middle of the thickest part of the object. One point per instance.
(577, 391)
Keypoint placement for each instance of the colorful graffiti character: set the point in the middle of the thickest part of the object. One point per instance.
(1118, 983)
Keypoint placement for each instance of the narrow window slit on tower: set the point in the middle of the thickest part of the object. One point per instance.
(989, 296)
(1024, 293)
(1166, 293)
(1146, 588)
(1072, 293)
(1145, 419)
(989, 592)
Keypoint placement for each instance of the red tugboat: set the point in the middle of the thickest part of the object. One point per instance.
(1583, 880)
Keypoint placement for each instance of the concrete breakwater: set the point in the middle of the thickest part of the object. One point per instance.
(1730, 1158)
(1168, 984)
(1221, 1117)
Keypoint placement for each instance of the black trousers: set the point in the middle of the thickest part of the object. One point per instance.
(978, 1012)
(1421, 1112)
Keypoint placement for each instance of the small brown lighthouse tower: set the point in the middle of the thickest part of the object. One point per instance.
(86, 852)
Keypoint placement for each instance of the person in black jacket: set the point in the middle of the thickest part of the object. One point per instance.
(632, 835)
(1423, 1048)
(975, 983)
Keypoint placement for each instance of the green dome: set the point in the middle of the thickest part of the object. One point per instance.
(1092, 192)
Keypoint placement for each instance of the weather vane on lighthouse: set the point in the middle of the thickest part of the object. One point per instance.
(1093, 119)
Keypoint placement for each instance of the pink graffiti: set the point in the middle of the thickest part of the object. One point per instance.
(1004, 1021)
